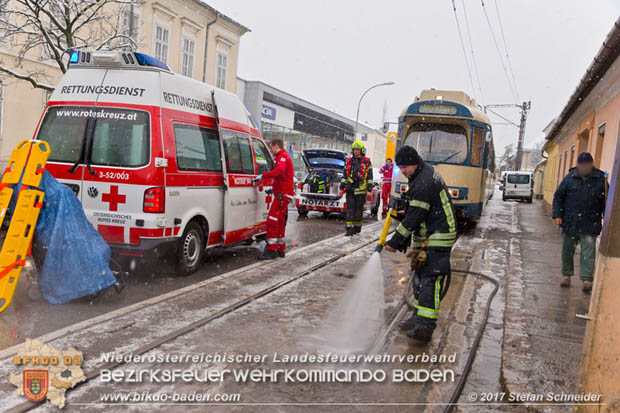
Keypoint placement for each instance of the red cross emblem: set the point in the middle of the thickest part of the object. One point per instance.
(114, 198)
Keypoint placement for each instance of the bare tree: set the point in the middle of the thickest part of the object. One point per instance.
(507, 160)
(54, 28)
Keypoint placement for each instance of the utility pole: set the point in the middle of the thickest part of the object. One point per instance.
(524, 108)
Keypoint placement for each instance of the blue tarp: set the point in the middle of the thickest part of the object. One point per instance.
(76, 258)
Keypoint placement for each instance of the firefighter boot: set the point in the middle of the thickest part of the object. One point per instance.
(408, 324)
(268, 255)
(350, 231)
(421, 335)
(357, 229)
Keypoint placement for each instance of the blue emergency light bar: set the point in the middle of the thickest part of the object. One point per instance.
(115, 59)
(146, 60)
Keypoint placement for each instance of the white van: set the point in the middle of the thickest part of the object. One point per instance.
(518, 185)
(163, 164)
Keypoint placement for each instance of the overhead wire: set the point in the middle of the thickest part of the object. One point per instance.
(458, 26)
(501, 28)
(501, 116)
(499, 53)
(473, 57)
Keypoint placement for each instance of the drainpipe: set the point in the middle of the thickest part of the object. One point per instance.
(204, 63)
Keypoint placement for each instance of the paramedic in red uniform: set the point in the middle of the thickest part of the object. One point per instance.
(386, 171)
(283, 191)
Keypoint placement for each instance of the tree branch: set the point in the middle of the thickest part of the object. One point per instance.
(27, 77)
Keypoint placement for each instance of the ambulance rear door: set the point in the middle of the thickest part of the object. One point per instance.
(241, 198)
(123, 183)
(67, 123)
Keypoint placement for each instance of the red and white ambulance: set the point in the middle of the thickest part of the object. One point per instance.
(163, 164)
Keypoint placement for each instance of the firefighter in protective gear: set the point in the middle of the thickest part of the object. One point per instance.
(428, 218)
(386, 171)
(283, 191)
(356, 182)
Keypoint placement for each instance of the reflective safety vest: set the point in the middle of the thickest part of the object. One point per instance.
(386, 171)
(362, 178)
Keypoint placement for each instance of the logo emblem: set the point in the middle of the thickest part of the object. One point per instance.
(93, 192)
(35, 384)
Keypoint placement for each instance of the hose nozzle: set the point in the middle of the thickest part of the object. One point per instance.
(385, 230)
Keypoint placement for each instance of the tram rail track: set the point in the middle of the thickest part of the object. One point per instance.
(377, 345)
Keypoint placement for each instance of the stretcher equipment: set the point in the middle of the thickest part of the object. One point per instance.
(27, 162)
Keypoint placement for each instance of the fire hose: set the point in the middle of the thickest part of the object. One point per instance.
(456, 394)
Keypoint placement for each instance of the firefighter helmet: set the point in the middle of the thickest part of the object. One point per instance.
(358, 145)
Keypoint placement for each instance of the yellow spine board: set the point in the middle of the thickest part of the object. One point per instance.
(18, 240)
(11, 175)
(29, 201)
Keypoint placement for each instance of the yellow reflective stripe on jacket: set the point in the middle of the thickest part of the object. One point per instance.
(447, 209)
(420, 204)
(402, 230)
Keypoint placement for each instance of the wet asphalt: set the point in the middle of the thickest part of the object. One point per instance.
(29, 315)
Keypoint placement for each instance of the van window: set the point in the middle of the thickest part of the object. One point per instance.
(264, 162)
(518, 179)
(238, 153)
(120, 137)
(64, 130)
(198, 149)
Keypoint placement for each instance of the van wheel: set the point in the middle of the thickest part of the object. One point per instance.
(190, 250)
(529, 200)
(503, 197)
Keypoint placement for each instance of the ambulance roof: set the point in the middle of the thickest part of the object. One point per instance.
(131, 78)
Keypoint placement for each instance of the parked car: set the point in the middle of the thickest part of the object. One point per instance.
(320, 190)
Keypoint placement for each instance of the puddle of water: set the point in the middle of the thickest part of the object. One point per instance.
(354, 322)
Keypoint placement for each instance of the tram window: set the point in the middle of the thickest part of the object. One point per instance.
(476, 147)
(438, 143)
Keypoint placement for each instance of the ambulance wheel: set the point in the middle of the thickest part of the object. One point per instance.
(303, 212)
(191, 249)
(325, 214)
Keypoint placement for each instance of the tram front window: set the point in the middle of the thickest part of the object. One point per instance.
(438, 143)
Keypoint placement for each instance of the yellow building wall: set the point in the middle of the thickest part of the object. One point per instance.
(551, 172)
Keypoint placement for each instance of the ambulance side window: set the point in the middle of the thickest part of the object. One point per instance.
(264, 162)
(198, 149)
(238, 153)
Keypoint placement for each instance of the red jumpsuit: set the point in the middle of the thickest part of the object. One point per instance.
(386, 170)
(283, 191)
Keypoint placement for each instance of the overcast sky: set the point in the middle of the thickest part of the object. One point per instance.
(329, 51)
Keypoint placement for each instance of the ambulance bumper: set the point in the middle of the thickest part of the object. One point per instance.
(147, 250)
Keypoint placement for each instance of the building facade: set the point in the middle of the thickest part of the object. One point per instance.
(191, 37)
(590, 120)
(304, 125)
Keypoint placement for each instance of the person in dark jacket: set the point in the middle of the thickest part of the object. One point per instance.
(428, 218)
(578, 207)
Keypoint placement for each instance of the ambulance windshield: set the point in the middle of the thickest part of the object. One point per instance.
(119, 137)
